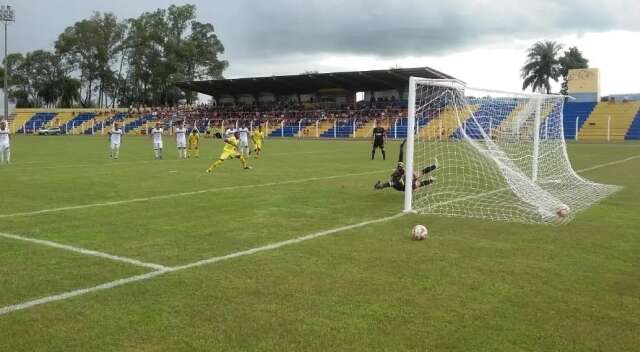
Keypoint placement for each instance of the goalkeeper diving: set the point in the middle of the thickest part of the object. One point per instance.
(421, 178)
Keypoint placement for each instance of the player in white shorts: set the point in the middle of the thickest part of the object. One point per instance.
(244, 140)
(181, 140)
(5, 143)
(115, 137)
(156, 135)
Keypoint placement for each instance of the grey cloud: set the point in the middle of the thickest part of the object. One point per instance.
(254, 29)
(395, 28)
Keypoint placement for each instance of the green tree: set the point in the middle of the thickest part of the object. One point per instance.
(38, 78)
(47, 73)
(143, 45)
(101, 60)
(20, 80)
(70, 92)
(572, 59)
(92, 47)
(542, 65)
(18, 92)
(166, 46)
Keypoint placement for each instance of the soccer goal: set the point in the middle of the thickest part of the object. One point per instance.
(499, 155)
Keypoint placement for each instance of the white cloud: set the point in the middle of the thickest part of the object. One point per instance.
(495, 66)
(479, 41)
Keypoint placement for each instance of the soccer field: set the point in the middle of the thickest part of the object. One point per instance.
(299, 253)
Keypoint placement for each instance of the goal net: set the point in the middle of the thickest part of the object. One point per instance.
(499, 156)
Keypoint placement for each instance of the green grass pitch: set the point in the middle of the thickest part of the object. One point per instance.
(472, 286)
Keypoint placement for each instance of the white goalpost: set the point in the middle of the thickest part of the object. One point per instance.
(499, 155)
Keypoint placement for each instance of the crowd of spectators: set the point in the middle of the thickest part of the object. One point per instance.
(204, 115)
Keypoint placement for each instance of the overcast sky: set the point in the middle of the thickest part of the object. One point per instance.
(482, 42)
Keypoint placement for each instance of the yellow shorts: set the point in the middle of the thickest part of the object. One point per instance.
(227, 155)
(258, 145)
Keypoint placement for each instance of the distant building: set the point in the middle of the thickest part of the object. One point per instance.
(584, 85)
(623, 97)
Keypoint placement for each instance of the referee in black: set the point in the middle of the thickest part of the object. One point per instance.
(379, 135)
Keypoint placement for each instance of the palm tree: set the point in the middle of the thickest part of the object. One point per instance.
(542, 66)
(572, 59)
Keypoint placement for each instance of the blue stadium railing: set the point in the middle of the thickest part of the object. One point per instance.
(343, 129)
(289, 130)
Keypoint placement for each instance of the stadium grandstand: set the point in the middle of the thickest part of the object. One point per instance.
(318, 105)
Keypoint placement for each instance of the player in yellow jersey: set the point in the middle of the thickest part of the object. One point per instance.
(231, 145)
(257, 137)
(194, 141)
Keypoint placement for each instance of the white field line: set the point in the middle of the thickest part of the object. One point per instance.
(277, 245)
(71, 294)
(107, 162)
(85, 251)
(183, 194)
(610, 163)
(475, 196)
(33, 162)
(174, 195)
(121, 282)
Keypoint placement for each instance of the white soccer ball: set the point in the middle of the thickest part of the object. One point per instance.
(563, 211)
(419, 232)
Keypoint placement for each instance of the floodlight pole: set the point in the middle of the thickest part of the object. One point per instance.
(6, 74)
(7, 14)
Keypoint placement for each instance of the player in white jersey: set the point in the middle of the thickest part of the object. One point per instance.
(244, 140)
(115, 137)
(229, 132)
(5, 143)
(181, 140)
(156, 135)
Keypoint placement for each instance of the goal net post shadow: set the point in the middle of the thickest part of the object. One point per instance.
(499, 155)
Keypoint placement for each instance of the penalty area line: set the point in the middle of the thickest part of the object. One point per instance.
(75, 293)
(83, 251)
(166, 270)
(280, 244)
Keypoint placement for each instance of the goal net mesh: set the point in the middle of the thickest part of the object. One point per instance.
(500, 156)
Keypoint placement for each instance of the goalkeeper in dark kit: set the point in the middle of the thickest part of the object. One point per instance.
(421, 178)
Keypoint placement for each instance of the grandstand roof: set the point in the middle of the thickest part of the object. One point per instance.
(307, 83)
